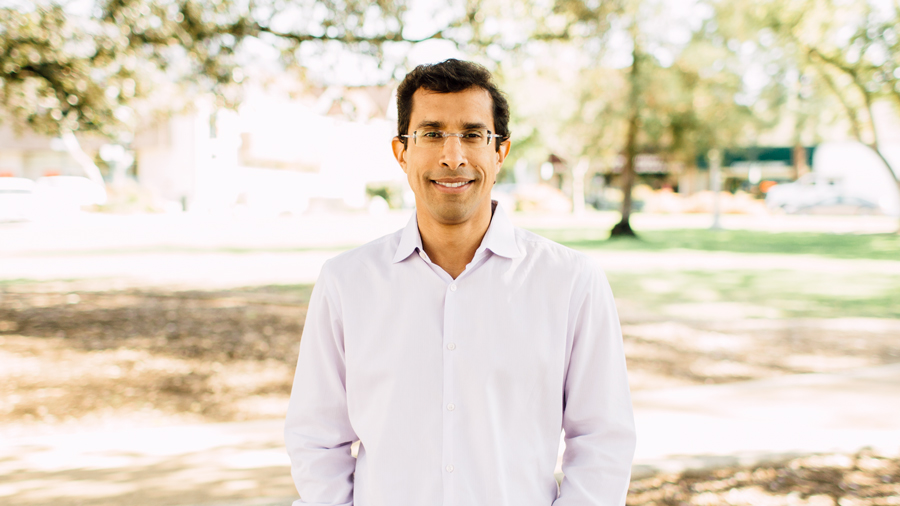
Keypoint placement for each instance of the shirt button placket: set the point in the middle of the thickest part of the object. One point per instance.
(452, 314)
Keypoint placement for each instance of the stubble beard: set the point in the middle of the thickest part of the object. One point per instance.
(456, 209)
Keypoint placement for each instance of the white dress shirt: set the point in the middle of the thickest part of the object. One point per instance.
(458, 389)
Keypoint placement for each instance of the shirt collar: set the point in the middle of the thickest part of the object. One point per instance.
(410, 240)
(500, 237)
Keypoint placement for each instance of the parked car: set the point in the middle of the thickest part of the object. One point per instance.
(816, 195)
(531, 197)
(17, 199)
(55, 195)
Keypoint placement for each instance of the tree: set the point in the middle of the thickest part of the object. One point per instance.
(674, 97)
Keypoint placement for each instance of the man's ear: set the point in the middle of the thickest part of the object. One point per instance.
(399, 152)
(501, 154)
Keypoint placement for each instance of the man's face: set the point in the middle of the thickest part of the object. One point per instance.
(452, 180)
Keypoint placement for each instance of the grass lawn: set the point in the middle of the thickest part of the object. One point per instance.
(759, 294)
(751, 293)
(870, 246)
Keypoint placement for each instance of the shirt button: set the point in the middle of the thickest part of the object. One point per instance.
(451, 346)
(452, 288)
(422, 255)
(451, 407)
(450, 468)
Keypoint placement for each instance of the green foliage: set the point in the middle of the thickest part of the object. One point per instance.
(684, 109)
(88, 70)
(857, 39)
(55, 74)
(392, 193)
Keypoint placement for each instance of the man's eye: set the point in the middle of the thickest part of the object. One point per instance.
(433, 134)
(474, 135)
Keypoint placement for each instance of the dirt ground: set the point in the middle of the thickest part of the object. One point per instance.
(203, 356)
(230, 355)
(73, 357)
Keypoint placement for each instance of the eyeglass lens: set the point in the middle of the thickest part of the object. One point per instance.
(477, 137)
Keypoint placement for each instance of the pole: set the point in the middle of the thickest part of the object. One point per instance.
(578, 173)
(715, 176)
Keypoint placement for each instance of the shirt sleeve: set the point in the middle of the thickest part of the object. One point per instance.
(597, 412)
(317, 431)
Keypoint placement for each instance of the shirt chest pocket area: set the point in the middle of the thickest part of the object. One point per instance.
(511, 350)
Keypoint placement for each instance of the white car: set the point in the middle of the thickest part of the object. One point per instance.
(56, 195)
(814, 195)
(17, 200)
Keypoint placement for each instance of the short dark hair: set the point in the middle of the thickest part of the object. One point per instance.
(450, 76)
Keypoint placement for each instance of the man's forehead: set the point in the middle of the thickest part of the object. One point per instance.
(467, 106)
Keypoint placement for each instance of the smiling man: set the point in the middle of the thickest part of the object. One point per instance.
(457, 349)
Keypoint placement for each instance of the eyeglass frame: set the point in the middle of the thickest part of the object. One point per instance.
(445, 135)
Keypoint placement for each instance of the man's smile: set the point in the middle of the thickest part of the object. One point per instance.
(452, 185)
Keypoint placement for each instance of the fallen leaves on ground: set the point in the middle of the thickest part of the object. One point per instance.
(863, 479)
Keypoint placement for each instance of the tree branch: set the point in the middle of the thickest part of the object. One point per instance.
(851, 113)
(346, 38)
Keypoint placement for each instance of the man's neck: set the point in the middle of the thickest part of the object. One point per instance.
(452, 247)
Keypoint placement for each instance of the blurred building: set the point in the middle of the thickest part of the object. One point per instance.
(745, 168)
(276, 155)
(29, 155)
(279, 153)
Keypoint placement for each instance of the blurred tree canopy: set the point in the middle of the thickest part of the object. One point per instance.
(65, 67)
(638, 86)
(849, 51)
(734, 72)
(615, 78)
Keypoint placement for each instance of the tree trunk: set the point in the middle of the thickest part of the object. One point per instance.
(578, 174)
(73, 148)
(798, 159)
(623, 228)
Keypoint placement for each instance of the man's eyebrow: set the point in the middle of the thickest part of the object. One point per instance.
(430, 124)
(474, 126)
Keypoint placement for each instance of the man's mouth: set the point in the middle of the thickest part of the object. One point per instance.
(452, 185)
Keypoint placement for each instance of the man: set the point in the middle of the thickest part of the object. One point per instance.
(455, 350)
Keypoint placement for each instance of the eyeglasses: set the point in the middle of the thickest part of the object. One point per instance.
(477, 138)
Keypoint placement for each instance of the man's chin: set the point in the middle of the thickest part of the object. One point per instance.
(454, 214)
(451, 216)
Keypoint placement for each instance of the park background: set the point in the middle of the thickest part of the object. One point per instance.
(174, 173)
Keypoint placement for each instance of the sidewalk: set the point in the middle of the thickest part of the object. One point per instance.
(110, 252)
(744, 423)
(244, 464)
(92, 232)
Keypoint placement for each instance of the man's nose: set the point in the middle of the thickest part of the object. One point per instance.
(453, 155)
